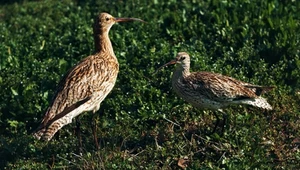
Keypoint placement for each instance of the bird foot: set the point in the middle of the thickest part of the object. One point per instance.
(223, 123)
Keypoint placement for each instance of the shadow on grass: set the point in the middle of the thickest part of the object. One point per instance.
(7, 2)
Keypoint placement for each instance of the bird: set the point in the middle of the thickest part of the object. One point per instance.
(85, 85)
(213, 91)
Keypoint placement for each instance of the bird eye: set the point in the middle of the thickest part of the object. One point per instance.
(107, 19)
(182, 58)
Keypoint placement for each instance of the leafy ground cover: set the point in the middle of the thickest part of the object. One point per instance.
(255, 41)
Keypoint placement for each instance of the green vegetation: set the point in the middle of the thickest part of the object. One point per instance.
(255, 41)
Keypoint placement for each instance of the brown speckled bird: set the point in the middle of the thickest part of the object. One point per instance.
(207, 90)
(85, 85)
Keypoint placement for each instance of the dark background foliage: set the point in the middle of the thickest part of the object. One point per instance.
(254, 41)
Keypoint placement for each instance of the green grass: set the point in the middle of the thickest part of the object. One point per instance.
(254, 41)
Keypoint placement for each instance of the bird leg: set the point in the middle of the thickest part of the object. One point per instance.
(158, 147)
(224, 121)
(94, 130)
(224, 115)
(216, 124)
(78, 134)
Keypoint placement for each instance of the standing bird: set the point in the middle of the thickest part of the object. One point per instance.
(85, 85)
(207, 90)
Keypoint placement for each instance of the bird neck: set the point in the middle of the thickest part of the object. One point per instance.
(102, 43)
(181, 71)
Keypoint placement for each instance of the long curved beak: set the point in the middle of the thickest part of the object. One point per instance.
(128, 19)
(169, 63)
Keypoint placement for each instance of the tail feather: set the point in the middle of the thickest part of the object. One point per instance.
(46, 134)
(38, 135)
(47, 129)
(257, 102)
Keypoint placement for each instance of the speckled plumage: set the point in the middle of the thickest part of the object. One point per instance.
(85, 85)
(207, 90)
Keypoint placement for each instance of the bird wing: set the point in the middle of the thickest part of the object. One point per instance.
(62, 114)
(78, 86)
(219, 87)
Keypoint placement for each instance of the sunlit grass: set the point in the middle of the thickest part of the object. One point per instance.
(142, 124)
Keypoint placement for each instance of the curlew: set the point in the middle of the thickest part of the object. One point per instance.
(85, 85)
(207, 90)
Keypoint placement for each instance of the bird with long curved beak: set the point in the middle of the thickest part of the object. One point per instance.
(87, 84)
(207, 90)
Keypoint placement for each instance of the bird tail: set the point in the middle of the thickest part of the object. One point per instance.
(257, 102)
(46, 133)
(47, 129)
(38, 134)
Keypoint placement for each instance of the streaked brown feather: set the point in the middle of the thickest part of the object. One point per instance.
(72, 88)
(219, 87)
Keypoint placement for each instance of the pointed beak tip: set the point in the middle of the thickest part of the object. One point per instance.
(128, 19)
(169, 63)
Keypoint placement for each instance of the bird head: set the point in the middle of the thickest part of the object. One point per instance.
(181, 58)
(105, 21)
